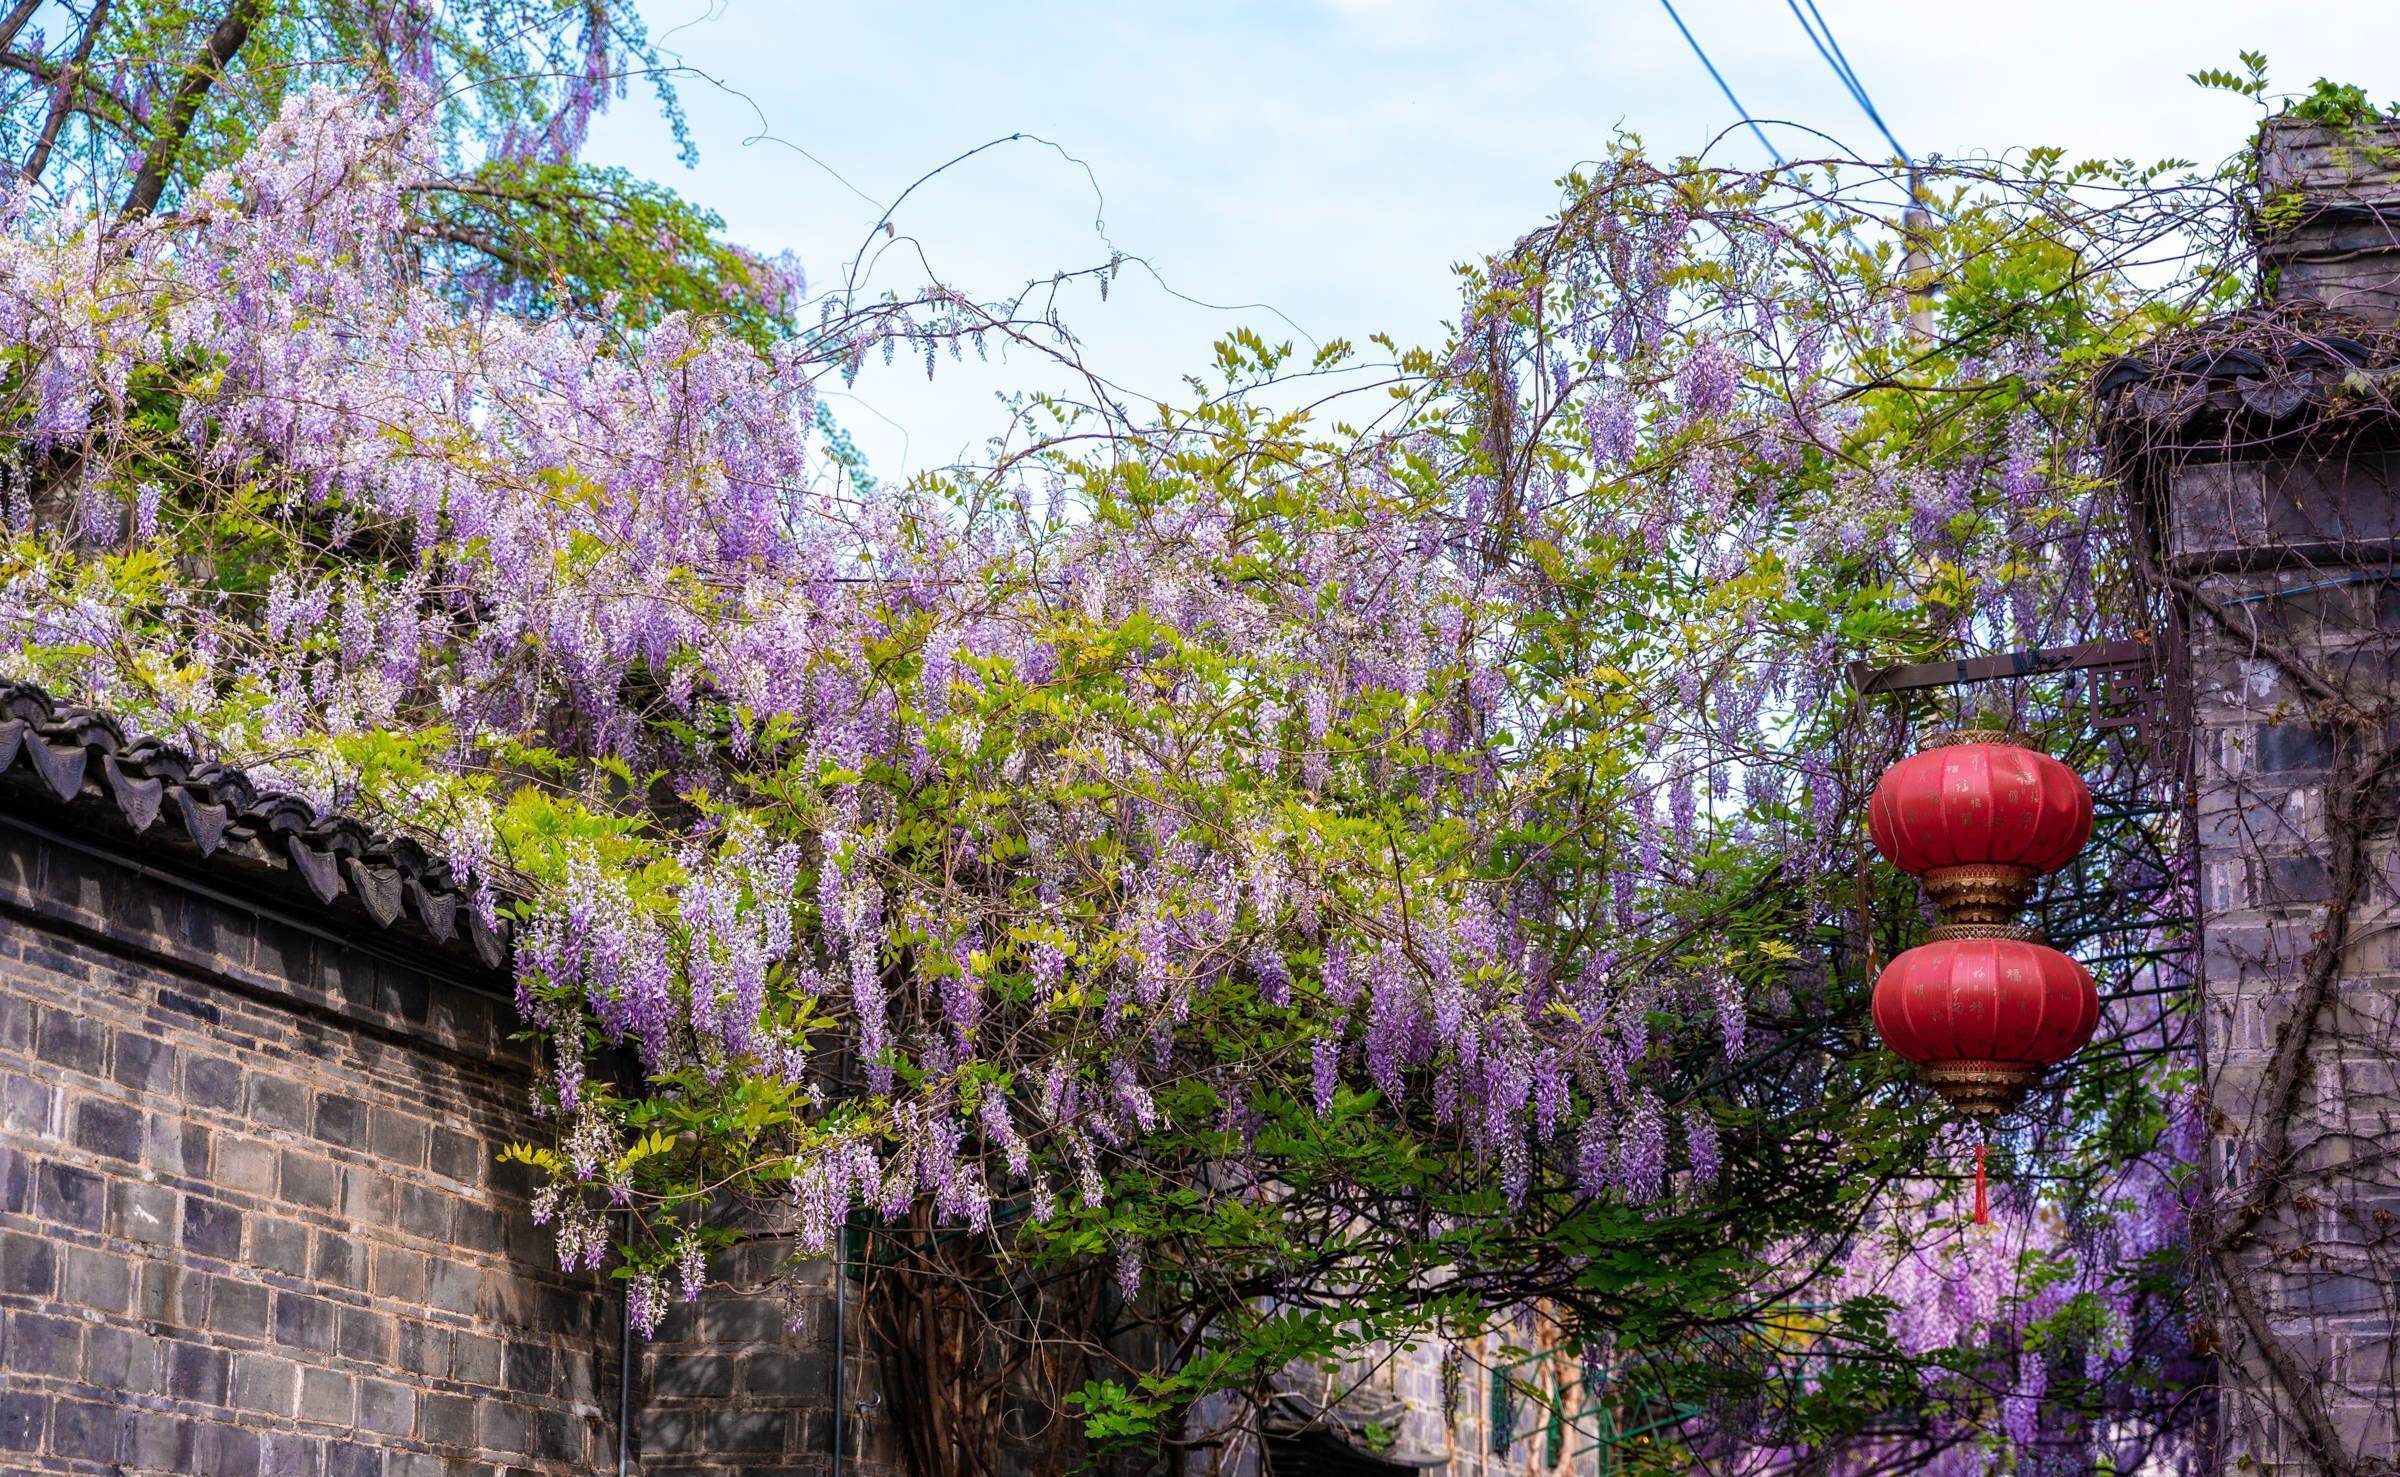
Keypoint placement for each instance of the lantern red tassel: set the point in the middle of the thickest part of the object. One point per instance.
(1983, 1204)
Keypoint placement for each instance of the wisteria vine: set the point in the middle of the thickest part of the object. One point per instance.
(1076, 847)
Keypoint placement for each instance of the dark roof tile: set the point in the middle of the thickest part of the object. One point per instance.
(216, 818)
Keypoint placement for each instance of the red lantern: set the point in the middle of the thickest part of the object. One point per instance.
(1984, 1016)
(1976, 816)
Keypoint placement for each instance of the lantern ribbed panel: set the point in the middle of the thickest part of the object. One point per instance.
(1999, 1000)
(1980, 804)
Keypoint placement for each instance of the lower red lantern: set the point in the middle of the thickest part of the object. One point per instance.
(1984, 1016)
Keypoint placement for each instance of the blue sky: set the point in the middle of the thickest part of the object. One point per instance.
(1331, 159)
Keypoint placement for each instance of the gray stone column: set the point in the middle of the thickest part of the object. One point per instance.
(2273, 469)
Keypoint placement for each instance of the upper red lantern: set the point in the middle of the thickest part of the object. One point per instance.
(1984, 1016)
(1977, 816)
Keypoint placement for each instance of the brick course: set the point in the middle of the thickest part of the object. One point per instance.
(2282, 511)
(251, 1217)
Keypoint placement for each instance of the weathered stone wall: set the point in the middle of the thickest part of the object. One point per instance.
(1392, 1414)
(251, 1220)
(743, 1382)
(2279, 551)
(2331, 195)
(2319, 1265)
(2279, 526)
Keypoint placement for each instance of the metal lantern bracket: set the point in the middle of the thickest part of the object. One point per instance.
(2121, 654)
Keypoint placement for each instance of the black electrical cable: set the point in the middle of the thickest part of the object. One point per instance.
(1719, 78)
(1831, 50)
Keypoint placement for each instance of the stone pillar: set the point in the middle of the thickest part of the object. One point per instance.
(2277, 516)
(2329, 215)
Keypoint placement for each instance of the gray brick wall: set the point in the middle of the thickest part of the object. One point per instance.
(251, 1220)
(2290, 549)
(2323, 1262)
(742, 1382)
(2277, 502)
(252, 1223)
(1403, 1385)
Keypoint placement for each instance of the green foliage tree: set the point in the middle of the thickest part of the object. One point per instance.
(134, 102)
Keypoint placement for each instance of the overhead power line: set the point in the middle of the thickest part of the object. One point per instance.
(1719, 78)
(1831, 50)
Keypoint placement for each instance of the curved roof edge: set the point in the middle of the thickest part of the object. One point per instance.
(77, 765)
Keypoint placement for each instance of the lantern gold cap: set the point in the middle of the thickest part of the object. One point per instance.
(1982, 1090)
(1951, 737)
(1980, 893)
(1943, 933)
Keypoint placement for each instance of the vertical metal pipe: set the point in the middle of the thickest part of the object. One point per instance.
(841, 1333)
(625, 1372)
